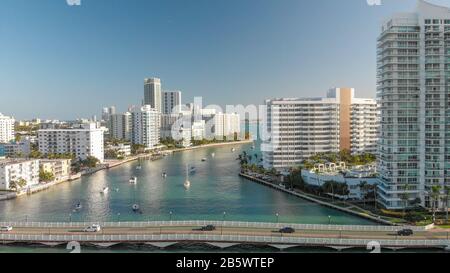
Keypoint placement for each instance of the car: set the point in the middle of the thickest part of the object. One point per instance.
(208, 228)
(6, 229)
(287, 230)
(93, 228)
(405, 232)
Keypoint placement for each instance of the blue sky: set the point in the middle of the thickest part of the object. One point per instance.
(63, 62)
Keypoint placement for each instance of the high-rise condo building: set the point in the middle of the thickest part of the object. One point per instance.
(226, 125)
(82, 141)
(146, 123)
(171, 102)
(6, 129)
(120, 126)
(152, 93)
(414, 93)
(299, 128)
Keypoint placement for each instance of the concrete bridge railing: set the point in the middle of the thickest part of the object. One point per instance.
(198, 223)
(270, 240)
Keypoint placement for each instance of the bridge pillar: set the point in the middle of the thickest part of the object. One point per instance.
(161, 244)
(340, 248)
(222, 245)
(283, 247)
(104, 245)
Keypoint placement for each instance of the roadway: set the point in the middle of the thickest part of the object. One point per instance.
(152, 230)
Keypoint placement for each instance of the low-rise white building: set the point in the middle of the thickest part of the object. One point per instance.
(354, 178)
(121, 149)
(13, 171)
(83, 141)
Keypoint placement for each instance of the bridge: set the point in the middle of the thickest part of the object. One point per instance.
(227, 234)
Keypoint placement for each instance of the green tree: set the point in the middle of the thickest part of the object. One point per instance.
(46, 176)
(90, 162)
(17, 185)
(434, 196)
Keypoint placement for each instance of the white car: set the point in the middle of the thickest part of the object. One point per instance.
(6, 229)
(93, 228)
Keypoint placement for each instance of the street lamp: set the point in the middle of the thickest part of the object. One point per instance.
(223, 222)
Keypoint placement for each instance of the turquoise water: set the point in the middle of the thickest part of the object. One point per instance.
(215, 188)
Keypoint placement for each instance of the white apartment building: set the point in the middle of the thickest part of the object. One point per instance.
(6, 128)
(226, 126)
(83, 141)
(120, 126)
(171, 102)
(152, 93)
(146, 122)
(12, 171)
(414, 92)
(198, 130)
(299, 128)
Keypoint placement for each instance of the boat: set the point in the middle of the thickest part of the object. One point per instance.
(133, 180)
(233, 149)
(204, 159)
(213, 155)
(105, 190)
(187, 183)
(78, 206)
(164, 174)
(135, 207)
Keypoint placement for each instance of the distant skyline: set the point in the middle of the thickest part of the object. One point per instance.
(66, 62)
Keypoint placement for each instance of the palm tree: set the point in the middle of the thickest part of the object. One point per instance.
(405, 198)
(363, 188)
(435, 193)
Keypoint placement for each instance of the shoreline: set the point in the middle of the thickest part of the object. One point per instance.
(317, 201)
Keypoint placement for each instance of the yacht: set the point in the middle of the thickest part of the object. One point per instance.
(187, 183)
(105, 190)
(133, 180)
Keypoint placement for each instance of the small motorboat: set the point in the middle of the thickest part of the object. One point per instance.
(133, 180)
(104, 190)
(136, 208)
(204, 159)
(164, 174)
(233, 150)
(78, 206)
(213, 155)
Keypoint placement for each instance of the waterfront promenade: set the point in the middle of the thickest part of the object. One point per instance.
(167, 233)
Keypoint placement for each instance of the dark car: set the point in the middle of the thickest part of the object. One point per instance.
(405, 232)
(287, 230)
(208, 228)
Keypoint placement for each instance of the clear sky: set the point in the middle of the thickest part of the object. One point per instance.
(65, 62)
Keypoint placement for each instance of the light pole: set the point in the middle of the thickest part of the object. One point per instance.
(223, 222)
